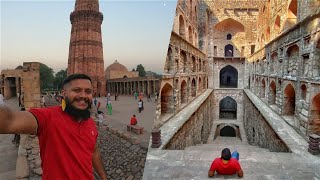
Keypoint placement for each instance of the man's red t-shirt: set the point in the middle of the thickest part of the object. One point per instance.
(66, 146)
(133, 121)
(232, 167)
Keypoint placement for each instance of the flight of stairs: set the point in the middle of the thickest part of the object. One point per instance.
(257, 163)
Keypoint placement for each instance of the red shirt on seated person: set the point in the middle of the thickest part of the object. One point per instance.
(225, 165)
(133, 120)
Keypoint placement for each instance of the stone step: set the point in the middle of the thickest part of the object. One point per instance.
(8, 175)
(260, 169)
(239, 148)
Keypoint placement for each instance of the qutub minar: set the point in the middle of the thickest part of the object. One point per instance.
(85, 50)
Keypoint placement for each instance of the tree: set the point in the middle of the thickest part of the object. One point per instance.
(58, 79)
(140, 69)
(46, 77)
(133, 70)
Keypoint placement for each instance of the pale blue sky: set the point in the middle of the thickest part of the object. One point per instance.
(133, 32)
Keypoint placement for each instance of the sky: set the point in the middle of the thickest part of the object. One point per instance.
(133, 32)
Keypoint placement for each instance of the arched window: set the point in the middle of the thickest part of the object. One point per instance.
(229, 36)
(228, 108)
(228, 50)
(289, 102)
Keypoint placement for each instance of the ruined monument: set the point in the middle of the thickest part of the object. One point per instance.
(242, 74)
(85, 50)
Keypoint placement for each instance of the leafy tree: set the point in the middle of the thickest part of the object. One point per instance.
(140, 69)
(58, 79)
(46, 77)
(133, 70)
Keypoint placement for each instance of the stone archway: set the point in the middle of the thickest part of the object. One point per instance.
(193, 88)
(228, 131)
(228, 108)
(263, 88)
(183, 59)
(169, 60)
(182, 31)
(228, 77)
(184, 92)
(289, 100)
(272, 94)
(167, 99)
(315, 114)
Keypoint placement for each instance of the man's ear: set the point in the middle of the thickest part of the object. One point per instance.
(63, 92)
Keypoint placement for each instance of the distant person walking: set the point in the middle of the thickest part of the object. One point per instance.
(109, 95)
(109, 107)
(43, 102)
(135, 95)
(149, 97)
(95, 101)
(140, 105)
(1, 99)
(98, 106)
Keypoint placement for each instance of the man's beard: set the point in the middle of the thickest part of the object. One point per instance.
(78, 114)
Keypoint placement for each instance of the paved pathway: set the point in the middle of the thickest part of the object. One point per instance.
(8, 151)
(124, 109)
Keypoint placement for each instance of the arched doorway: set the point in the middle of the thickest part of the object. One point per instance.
(228, 132)
(263, 88)
(167, 99)
(184, 92)
(181, 26)
(289, 101)
(228, 50)
(183, 57)
(228, 108)
(315, 114)
(272, 94)
(228, 77)
(169, 60)
(303, 91)
(193, 88)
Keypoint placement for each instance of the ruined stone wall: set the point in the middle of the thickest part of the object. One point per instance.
(28, 161)
(285, 74)
(258, 131)
(196, 130)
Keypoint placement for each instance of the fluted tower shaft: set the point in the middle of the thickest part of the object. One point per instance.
(85, 49)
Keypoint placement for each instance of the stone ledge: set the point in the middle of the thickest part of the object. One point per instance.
(172, 126)
(296, 143)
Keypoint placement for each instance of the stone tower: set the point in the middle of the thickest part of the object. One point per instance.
(85, 50)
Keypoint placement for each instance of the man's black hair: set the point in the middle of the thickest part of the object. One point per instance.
(226, 154)
(74, 77)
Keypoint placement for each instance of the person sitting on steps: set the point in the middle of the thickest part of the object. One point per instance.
(133, 120)
(227, 164)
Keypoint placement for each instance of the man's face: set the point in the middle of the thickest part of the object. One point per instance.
(79, 92)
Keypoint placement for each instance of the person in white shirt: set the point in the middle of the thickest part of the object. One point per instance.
(1, 99)
(140, 105)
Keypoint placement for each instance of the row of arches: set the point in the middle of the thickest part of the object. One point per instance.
(290, 63)
(290, 97)
(279, 25)
(188, 89)
(190, 63)
(187, 33)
